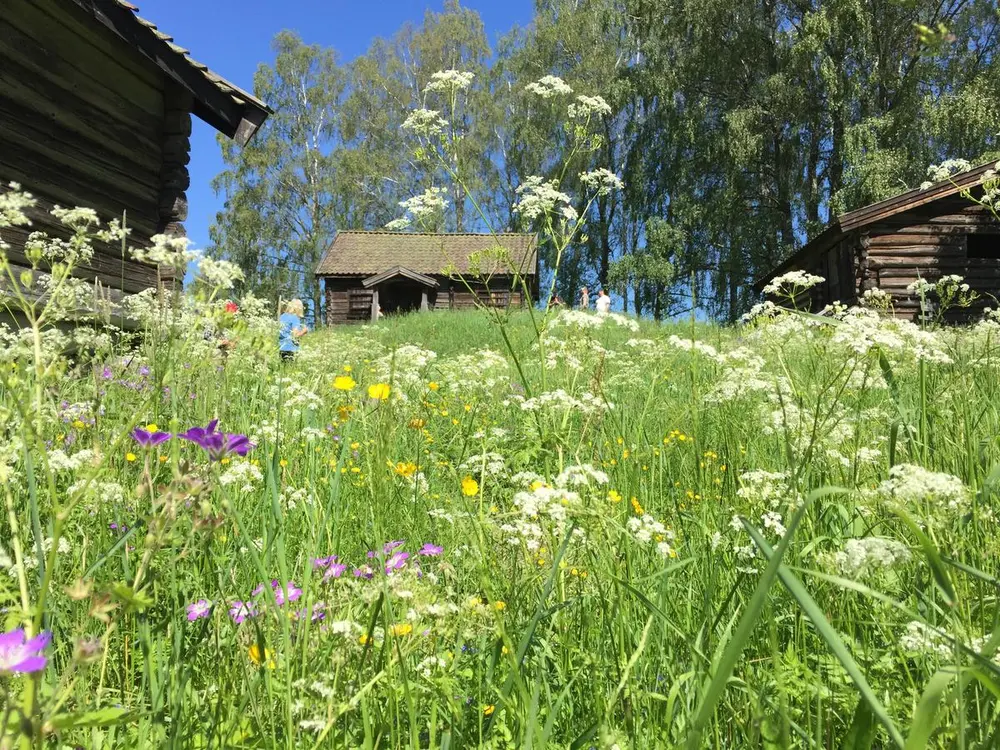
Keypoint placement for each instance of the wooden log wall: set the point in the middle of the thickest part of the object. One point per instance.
(930, 242)
(82, 124)
(347, 300)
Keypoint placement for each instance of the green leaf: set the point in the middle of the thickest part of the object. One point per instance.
(861, 733)
(716, 685)
(136, 600)
(927, 713)
(938, 570)
(827, 632)
(104, 717)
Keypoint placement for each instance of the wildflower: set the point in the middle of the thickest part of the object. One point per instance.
(637, 507)
(470, 487)
(290, 593)
(87, 650)
(448, 80)
(130, 457)
(240, 611)
(217, 444)
(232, 308)
(198, 610)
(488, 710)
(430, 550)
(417, 424)
(396, 562)
(500, 606)
(344, 383)
(403, 628)
(614, 496)
(254, 652)
(549, 86)
(433, 386)
(405, 469)
(149, 437)
(335, 570)
(379, 391)
(21, 654)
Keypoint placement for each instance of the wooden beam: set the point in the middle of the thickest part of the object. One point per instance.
(375, 305)
(423, 299)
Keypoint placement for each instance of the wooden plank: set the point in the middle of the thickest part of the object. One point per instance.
(103, 58)
(60, 142)
(22, 59)
(99, 168)
(70, 187)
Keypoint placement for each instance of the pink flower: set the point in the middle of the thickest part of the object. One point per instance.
(21, 654)
(199, 609)
(430, 550)
(240, 611)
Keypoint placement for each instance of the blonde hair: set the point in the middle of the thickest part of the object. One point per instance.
(294, 306)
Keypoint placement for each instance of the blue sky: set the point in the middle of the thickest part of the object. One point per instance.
(234, 36)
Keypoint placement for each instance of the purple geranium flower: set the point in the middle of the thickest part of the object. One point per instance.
(199, 609)
(289, 594)
(218, 444)
(240, 611)
(336, 570)
(364, 572)
(323, 562)
(106, 373)
(148, 439)
(21, 654)
(396, 562)
(430, 550)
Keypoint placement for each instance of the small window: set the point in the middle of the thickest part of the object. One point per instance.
(983, 246)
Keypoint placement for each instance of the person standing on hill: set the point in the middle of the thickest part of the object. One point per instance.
(291, 329)
(603, 303)
(584, 299)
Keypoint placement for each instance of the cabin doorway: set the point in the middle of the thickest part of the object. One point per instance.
(401, 296)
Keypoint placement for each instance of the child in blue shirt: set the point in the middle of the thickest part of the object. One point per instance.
(291, 330)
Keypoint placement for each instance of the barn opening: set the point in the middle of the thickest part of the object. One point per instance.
(983, 246)
(400, 290)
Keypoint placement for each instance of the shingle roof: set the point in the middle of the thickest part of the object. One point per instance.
(221, 103)
(364, 253)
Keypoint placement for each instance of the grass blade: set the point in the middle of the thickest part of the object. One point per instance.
(716, 685)
(815, 614)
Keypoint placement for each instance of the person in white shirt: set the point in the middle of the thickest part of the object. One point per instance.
(603, 303)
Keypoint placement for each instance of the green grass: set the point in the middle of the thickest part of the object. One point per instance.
(568, 627)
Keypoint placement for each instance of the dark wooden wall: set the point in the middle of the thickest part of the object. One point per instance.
(86, 121)
(347, 301)
(930, 242)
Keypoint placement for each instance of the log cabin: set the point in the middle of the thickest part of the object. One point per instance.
(95, 110)
(365, 272)
(921, 234)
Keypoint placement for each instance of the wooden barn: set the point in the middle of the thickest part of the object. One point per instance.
(921, 234)
(402, 271)
(95, 110)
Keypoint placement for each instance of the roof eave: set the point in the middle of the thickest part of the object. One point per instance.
(235, 113)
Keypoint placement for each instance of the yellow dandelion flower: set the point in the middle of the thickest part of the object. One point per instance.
(78, 424)
(267, 659)
(500, 606)
(488, 710)
(163, 459)
(379, 391)
(403, 628)
(151, 427)
(130, 457)
(470, 487)
(347, 368)
(405, 469)
(282, 463)
(614, 496)
(433, 386)
(344, 383)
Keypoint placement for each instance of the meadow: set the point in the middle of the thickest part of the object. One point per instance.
(499, 529)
